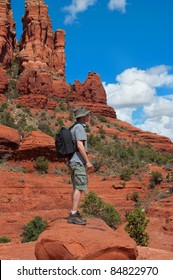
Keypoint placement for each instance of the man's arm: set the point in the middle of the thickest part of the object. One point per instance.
(83, 153)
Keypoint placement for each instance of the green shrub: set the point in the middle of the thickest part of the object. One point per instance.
(4, 239)
(102, 118)
(3, 106)
(126, 173)
(93, 140)
(135, 196)
(45, 128)
(169, 177)
(156, 177)
(136, 225)
(42, 164)
(97, 163)
(94, 206)
(151, 185)
(19, 105)
(7, 119)
(33, 229)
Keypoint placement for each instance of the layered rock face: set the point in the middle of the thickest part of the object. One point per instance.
(42, 54)
(40, 46)
(3, 83)
(7, 34)
(7, 42)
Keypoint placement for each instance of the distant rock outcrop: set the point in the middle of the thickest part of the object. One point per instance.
(39, 45)
(7, 43)
(95, 241)
(91, 90)
(7, 34)
(42, 53)
(41, 58)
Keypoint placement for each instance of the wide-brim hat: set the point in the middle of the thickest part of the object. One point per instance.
(81, 112)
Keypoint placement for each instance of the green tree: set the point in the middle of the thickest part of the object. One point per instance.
(136, 225)
(94, 206)
(33, 229)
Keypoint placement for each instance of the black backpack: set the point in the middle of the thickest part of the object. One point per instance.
(64, 143)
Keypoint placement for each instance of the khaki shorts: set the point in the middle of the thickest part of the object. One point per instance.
(79, 177)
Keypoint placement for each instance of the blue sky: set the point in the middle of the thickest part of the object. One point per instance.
(130, 44)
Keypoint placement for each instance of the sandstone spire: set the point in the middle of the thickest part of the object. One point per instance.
(39, 44)
(7, 33)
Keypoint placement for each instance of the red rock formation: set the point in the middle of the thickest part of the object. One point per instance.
(98, 109)
(9, 140)
(36, 144)
(42, 59)
(42, 55)
(3, 83)
(35, 80)
(91, 90)
(7, 33)
(95, 241)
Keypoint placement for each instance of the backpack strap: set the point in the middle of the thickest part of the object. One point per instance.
(74, 125)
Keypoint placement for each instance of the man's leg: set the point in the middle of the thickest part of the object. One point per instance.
(79, 185)
(76, 196)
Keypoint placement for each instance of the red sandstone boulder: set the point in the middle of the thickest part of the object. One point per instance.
(9, 140)
(147, 253)
(95, 241)
(36, 144)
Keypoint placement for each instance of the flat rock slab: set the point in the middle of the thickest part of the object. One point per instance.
(95, 241)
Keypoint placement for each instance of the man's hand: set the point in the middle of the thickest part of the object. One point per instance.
(89, 166)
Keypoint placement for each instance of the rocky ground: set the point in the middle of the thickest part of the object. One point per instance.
(24, 196)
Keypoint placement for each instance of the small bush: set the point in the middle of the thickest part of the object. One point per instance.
(7, 119)
(136, 225)
(3, 107)
(45, 128)
(125, 174)
(156, 177)
(33, 229)
(135, 196)
(42, 164)
(151, 185)
(97, 163)
(102, 118)
(94, 206)
(4, 239)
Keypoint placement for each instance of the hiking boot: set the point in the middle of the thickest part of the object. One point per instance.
(75, 219)
(80, 216)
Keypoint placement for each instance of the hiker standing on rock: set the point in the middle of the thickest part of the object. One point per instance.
(79, 164)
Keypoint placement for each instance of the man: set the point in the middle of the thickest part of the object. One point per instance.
(79, 164)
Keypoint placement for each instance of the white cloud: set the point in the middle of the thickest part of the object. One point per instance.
(117, 5)
(134, 89)
(162, 125)
(80, 6)
(161, 106)
(77, 6)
